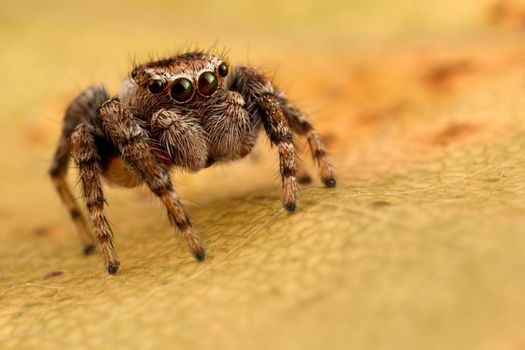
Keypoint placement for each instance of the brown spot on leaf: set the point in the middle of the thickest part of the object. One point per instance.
(52, 274)
(507, 13)
(441, 75)
(35, 134)
(40, 231)
(379, 115)
(493, 179)
(44, 231)
(380, 204)
(454, 131)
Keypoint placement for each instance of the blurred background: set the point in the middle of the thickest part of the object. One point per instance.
(420, 245)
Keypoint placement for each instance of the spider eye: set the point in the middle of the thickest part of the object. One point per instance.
(223, 70)
(207, 83)
(134, 73)
(155, 86)
(182, 90)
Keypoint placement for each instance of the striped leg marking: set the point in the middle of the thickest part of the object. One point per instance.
(85, 154)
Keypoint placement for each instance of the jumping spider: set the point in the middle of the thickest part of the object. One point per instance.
(187, 111)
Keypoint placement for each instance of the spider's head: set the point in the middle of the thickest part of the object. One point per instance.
(179, 80)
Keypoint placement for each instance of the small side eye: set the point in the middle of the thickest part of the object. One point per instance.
(134, 73)
(223, 70)
(207, 83)
(182, 90)
(155, 86)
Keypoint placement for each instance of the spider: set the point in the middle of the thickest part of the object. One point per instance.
(189, 111)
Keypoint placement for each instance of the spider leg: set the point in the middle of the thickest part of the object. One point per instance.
(301, 125)
(85, 153)
(263, 103)
(82, 109)
(132, 141)
(58, 173)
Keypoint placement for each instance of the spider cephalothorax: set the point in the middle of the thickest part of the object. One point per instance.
(187, 111)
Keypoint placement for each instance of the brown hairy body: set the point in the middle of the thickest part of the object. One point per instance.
(187, 111)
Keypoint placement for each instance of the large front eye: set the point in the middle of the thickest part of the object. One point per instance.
(207, 83)
(182, 90)
(155, 86)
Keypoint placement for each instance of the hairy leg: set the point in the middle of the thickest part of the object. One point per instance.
(58, 173)
(84, 152)
(301, 125)
(263, 103)
(82, 109)
(131, 139)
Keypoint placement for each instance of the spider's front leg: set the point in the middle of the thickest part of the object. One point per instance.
(131, 139)
(262, 101)
(85, 153)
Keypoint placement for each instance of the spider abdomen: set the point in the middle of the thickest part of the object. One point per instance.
(117, 173)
